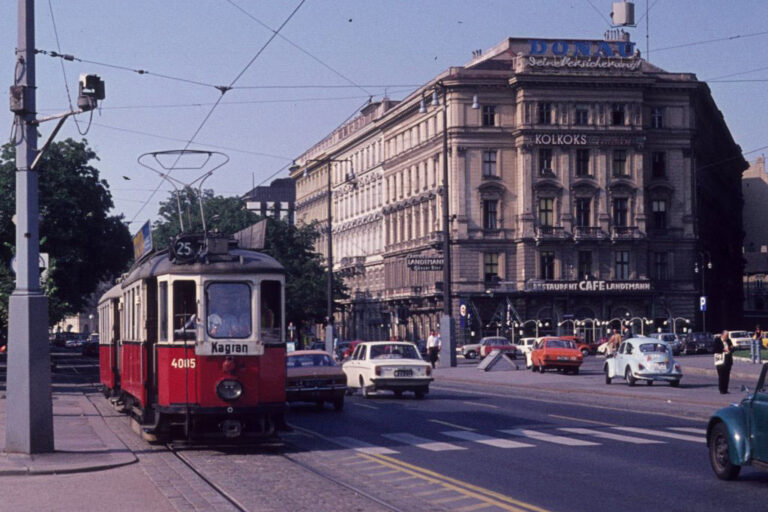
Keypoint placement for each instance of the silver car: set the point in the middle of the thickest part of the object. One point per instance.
(672, 340)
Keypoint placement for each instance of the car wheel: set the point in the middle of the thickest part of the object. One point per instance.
(533, 367)
(584, 352)
(367, 391)
(398, 393)
(628, 376)
(674, 383)
(319, 404)
(575, 371)
(541, 368)
(649, 382)
(471, 354)
(349, 391)
(607, 378)
(338, 404)
(719, 457)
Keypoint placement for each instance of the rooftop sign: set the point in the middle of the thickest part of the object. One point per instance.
(583, 54)
(142, 242)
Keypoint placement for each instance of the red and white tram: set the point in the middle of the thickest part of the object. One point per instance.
(192, 341)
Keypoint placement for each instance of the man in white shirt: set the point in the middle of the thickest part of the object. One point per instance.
(433, 347)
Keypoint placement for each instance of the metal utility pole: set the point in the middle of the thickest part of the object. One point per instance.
(29, 420)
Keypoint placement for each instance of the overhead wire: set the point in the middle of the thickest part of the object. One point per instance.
(223, 91)
(305, 52)
(598, 11)
(707, 41)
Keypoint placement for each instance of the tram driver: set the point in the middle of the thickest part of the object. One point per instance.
(229, 311)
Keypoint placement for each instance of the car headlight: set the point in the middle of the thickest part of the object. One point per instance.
(229, 389)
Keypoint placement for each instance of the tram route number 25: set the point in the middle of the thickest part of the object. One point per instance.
(181, 362)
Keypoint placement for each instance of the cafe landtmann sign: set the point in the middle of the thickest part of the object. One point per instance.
(425, 262)
(589, 286)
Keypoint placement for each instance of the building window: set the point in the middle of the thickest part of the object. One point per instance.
(582, 162)
(658, 164)
(619, 162)
(659, 212)
(660, 265)
(617, 114)
(489, 115)
(620, 212)
(545, 161)
(581, 117)
(546, 212)
(545, 113)
(583, 205)
(657, 117)
(622, 265)
(489, 163)
(547, 265)
(490, 210)
(491, 266)
(585, 265)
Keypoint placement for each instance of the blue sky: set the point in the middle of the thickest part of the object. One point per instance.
(326, 46)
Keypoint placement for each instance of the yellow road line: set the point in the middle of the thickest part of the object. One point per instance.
(470, 490)
(452, 425)
(585, 421)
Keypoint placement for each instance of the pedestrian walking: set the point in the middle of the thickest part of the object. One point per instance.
(433, 347)
(755, 352)
(614, 342)
(723, 361)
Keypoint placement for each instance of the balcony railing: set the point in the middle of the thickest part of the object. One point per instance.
(550, 233)
(587, 233)
(625, 233)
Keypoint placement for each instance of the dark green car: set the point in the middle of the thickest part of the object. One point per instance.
(738, 435)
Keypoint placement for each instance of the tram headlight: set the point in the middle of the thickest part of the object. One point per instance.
(229, 389)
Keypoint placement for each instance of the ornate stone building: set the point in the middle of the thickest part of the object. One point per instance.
(585, 185)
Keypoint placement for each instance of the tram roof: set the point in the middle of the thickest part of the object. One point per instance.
(244, 261)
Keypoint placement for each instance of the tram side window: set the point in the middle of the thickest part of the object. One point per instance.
(271, 320)
(162, 310)
(184, 311)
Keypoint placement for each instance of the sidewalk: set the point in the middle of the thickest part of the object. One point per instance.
(82, 440)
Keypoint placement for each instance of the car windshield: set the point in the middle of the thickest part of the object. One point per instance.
(559, 344)
(647, 348)
(394, 351)
(306, 360)
(739, 334)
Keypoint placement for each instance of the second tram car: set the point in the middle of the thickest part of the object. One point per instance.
(192, 341)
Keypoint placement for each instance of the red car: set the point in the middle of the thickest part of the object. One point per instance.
(558, 353)
(491, 343)
(581, 344)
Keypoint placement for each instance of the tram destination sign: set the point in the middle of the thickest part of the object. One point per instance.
(588, 286)
(423, 263)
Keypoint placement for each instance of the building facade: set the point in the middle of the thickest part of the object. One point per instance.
(278, 200)
(584, 184)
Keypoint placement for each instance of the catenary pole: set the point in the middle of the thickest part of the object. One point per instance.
(29, 420)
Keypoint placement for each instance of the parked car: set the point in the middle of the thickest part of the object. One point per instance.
(525, 346)
(695, 342)
(76, 341)
(671, 339)
(470, 350)
(490, 343)
(740, 339)
(585, 348)
(345, 349)
(557, 353)
(91, 346)
(312, 376)
(736, 435)
(646, 359)
(387, 365)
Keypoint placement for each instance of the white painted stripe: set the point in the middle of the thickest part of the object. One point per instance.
(549, 438)
(607, 435)
(420, 442)
(490, 441)
(690, 430)
(451, 425)
(661, 433)
(362, 446)
(365, 405)
(480, 404)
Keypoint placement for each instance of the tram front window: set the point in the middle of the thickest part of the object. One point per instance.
(228, 310)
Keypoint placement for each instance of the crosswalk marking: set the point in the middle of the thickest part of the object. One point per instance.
(363, 447)
(490, 441)
(549, 438)
(608, 435)
(420, 442)
(691, 430)
(661, 433)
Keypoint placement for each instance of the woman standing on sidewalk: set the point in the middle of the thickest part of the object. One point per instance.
(724, 345)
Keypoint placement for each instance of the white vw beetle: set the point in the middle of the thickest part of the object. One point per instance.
(389, 365)
(645, 359)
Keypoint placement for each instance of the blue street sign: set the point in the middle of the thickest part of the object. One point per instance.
(703, 303)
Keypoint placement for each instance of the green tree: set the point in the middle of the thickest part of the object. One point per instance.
(222, 214)
(84, 243)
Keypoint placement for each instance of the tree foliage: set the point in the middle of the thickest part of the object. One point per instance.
(84, 243)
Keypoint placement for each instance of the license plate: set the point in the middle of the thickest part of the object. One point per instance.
(562, 358)
(403, 373)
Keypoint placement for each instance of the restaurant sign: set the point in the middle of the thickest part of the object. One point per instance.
(425, 262)
(588, 286)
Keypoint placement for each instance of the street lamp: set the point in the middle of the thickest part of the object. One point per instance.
(674, 323)
(571, 321)
(700, 266)
(349, 177)
(446, 322)
(536, 323)
(643, 322)
(595, 322)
